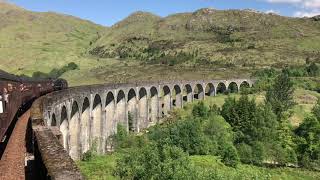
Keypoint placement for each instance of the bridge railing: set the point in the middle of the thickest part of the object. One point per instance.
(51, 160)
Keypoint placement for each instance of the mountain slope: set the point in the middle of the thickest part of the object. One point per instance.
(32, 41)
(206, 44)
(208, 36)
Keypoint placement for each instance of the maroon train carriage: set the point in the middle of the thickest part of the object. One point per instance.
(17, 91)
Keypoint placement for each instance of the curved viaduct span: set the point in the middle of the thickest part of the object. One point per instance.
(88, 115)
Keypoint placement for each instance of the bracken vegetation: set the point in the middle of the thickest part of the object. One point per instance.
(212, 37)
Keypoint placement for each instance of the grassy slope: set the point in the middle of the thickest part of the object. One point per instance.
(101, 167)
(31, 41)
(114, 71)
(277, 40)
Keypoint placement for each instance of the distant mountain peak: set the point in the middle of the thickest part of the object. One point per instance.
(142, 13)
(138, 16)
(205, 11)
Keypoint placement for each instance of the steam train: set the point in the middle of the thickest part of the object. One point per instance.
(15, 92)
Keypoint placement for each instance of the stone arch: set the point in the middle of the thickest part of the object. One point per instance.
(64, 127)
(53, 120)
(109, 121)
(187, 93)
(244, 85)
(154, 105)
(110, 113)
(233, 87)
(221, 88)
(210, 90)
(177, 99)
(132, 111)
(121, 108)
(166, 100)
(198, 92)
(96, 127)
(74, 130)
(143, 108)
(85, 124)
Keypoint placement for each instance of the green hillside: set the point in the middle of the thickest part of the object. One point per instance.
(213, 37)
(144, 47)
(32, 41)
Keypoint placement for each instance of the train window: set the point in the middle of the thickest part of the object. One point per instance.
(1, 105)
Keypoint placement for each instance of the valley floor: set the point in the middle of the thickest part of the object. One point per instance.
(102, 167)
(100, 71)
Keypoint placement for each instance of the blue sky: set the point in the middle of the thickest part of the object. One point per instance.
(107, 12)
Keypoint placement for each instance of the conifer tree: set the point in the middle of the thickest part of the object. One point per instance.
(280, 95)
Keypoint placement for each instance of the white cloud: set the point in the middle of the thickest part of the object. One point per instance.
(306, 14)
(307, 8)
(314, 4)
(272, 11)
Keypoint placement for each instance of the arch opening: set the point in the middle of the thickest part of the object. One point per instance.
(84, 126)
(109, 125)
(132, 111)
(110, 112)
(121, 109)
(187, 93)
(74, 129)
(198, 92)
(143, 108)
(96, 133)
(233, 87)
(166, 100)
(177, 99)
(210, 91)
(244, 85)
(221, 88)
(64, 127)
(154, 105)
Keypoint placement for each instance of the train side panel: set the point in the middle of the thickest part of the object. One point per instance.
(16, 92)
(11, 101)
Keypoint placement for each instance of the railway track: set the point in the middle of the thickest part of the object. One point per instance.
(13, 162)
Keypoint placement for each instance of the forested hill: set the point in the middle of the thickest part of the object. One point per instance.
(209, 36)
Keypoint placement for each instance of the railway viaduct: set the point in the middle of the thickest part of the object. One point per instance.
(86, 116)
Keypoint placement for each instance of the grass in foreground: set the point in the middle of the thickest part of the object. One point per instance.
(99, 167)
(102, 167)
(250, 171)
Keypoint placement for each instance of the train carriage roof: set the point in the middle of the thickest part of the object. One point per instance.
(7, 76)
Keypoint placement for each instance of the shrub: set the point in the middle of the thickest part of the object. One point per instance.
(313, 69)
(200, 110)
(230, 155)
(308, 141)
(155, 161)
(56, 73)
(316, 110)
